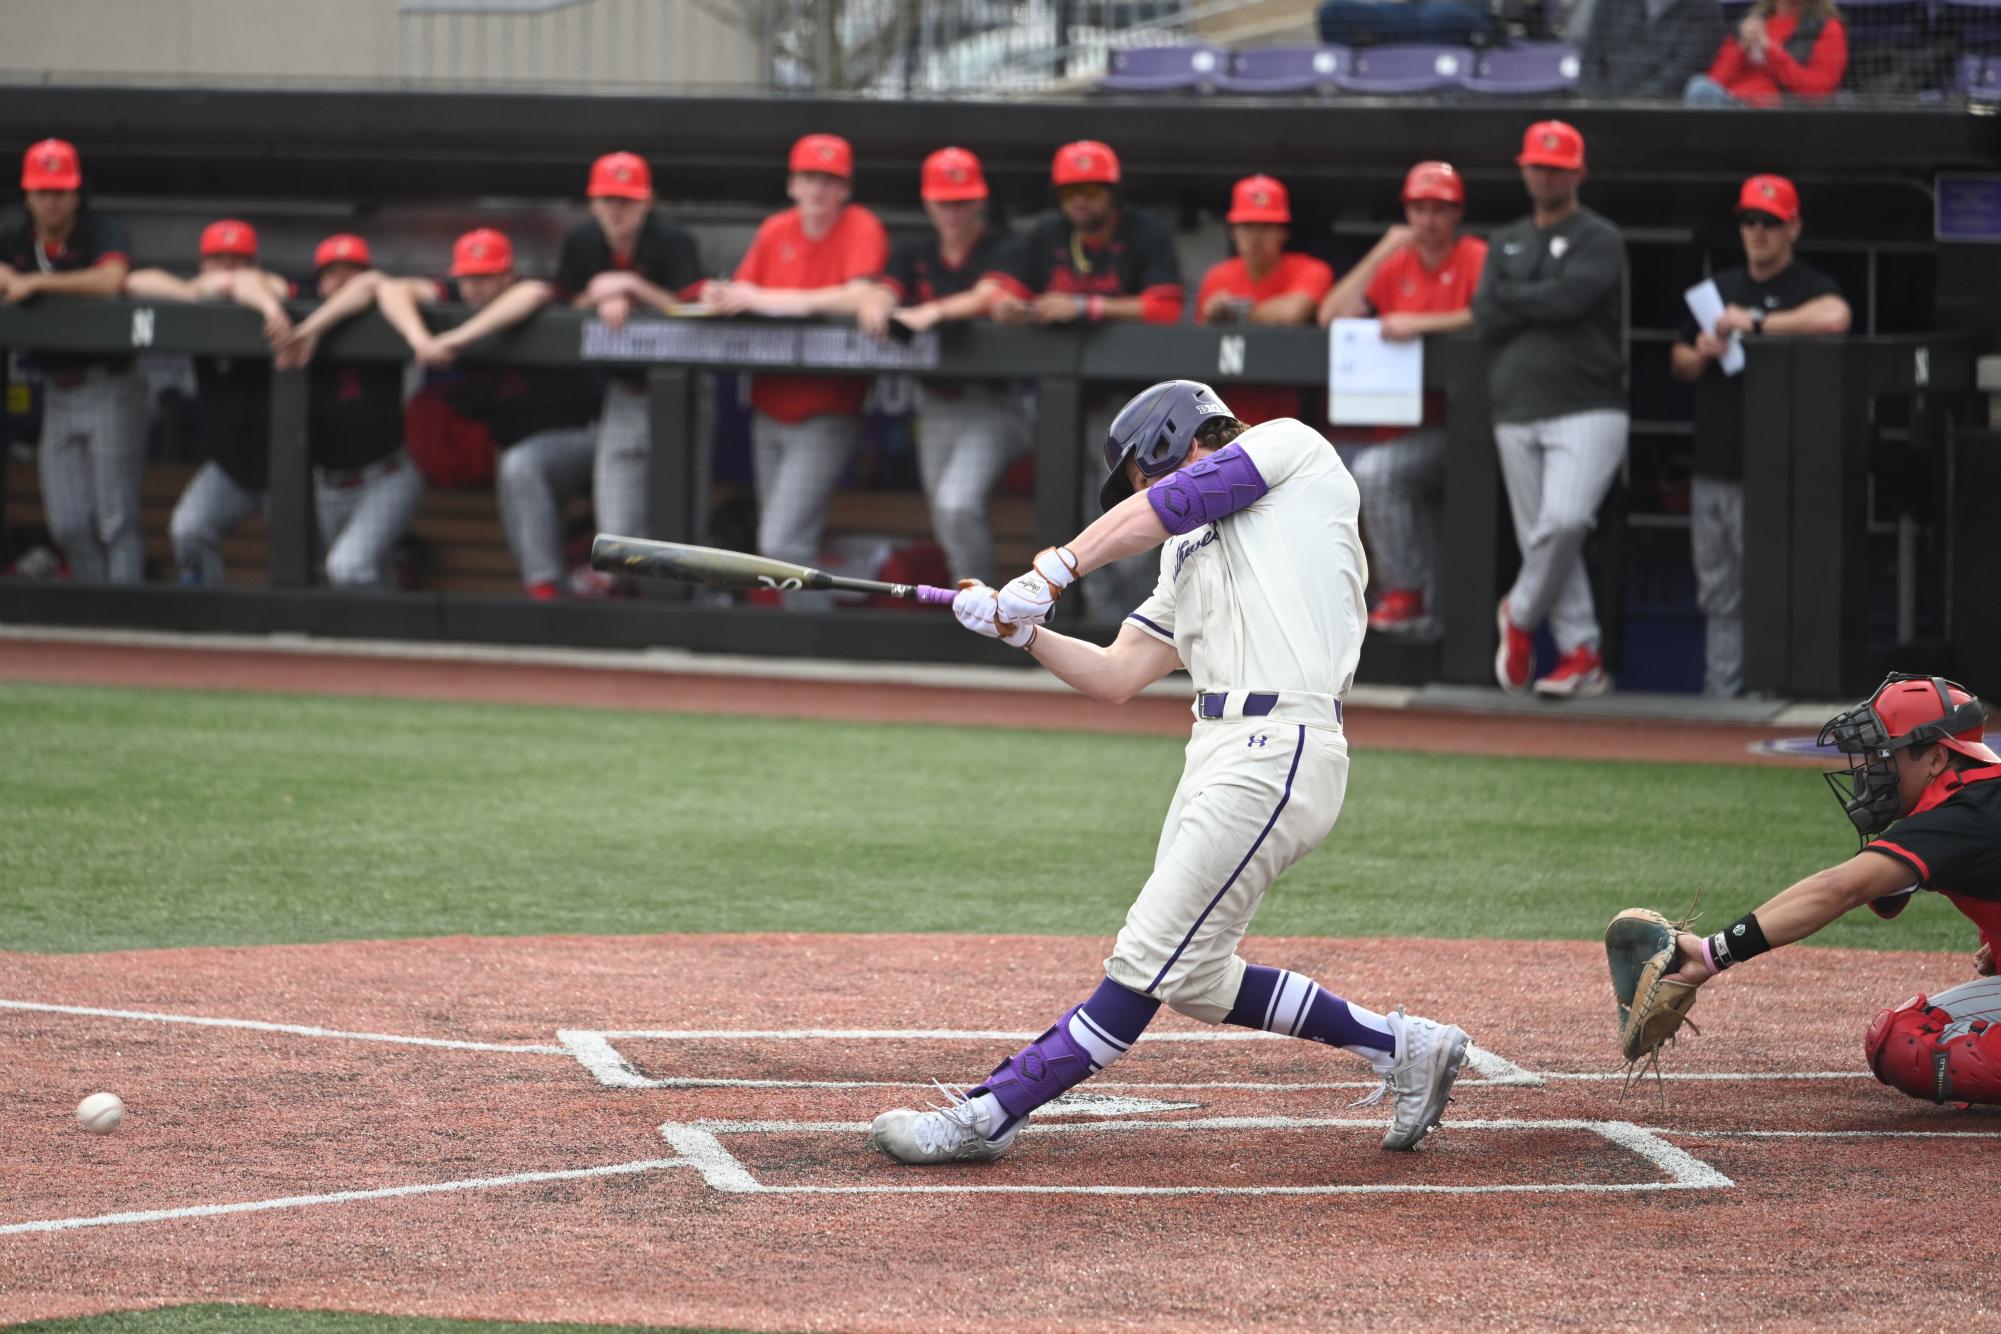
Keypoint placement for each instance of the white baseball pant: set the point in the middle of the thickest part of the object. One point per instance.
(797, 465)
(209, 510)
(92, 458)
(363, 514)
(535, 476)
(1256, 795)
(1557, 472)
(965, 441)
(1716, 546)
(1400, 481)
(624, 461)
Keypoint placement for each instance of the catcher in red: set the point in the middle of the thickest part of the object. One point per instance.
(1923, 789)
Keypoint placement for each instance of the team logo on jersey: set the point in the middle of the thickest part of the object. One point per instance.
(1557, 245)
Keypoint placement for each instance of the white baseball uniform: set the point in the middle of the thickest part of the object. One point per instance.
(1265, 607)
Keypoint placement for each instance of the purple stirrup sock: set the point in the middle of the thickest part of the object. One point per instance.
(1279, 1001)
(1084, 1041)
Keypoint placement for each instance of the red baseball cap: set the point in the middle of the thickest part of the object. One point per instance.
(828, 154)
(1770, 194)
(482, 252)
(229, 237)
(342, 248)
(620, 176)
(51, 165)
(953, 173)
(1259, 199)
(1552, 143)
(1086, 162)
(1435, 180)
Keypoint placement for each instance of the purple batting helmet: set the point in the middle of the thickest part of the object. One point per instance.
(1157, 428)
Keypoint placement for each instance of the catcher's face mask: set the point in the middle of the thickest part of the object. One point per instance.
(1905, 711)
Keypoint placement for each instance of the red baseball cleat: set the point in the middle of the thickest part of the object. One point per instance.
(1578, 673)
(1514, 659)
(1401, 612)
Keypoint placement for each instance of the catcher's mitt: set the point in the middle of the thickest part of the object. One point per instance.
(1640, 948)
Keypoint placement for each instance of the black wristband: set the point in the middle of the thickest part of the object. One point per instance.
(1742, 939)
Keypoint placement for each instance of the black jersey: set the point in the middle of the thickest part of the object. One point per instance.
(918, 271)
(1137, 259)
(1719, 398)
(1952, 842)
(233, 417)
(663, 254)
(515, 402)
(354, 414)
(94, 239)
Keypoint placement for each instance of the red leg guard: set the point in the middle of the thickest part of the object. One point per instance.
(1918, 1049)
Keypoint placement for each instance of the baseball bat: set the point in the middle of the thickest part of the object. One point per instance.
(717, 568)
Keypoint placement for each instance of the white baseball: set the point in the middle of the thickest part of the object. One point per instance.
(100, 1113)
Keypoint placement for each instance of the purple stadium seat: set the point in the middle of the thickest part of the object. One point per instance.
(1163, 69)
(1390, 70)
(1284, 69)
(1526, 68)
(1980, 78)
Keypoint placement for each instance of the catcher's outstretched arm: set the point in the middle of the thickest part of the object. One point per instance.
(1802, 908)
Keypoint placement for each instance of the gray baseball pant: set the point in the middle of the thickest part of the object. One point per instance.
(1115, 589)
(1716, 545)
(1978, 999)
(92, 457)
(1400, 481)
(210, 508)
(797, 465)
(363, 514)
(1557, 472)
(965, 441)
(535, 476)
(624, 459)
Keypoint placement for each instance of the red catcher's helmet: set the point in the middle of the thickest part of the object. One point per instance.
(51, 165)
(1435, 180)
(951, 174)
(481, 253)
(1086, 162)
(1905, 711)
(620, 176)
(1259, 199)
(342, 248)
(229, 237)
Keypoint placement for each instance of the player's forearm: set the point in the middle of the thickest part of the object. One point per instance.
(1440, 321)
(99, 280)
(399, 306)
(1801, 909)
(1291, 308)
(1686, 363)
(968, 305)
(1126, 529)
(255, 288)
(1349, 299)
(803, 302)
(159, 285)
(651, 294)
(1084, 667)
(505, 311)
(355, 295)
(1822, 315)
(1122, 308)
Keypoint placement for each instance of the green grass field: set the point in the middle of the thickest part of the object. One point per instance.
(165, 819)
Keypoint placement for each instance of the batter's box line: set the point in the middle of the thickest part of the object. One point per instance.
(699, 1144)
(596, 1051)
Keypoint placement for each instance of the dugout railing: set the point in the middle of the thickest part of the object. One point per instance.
(1810, 431)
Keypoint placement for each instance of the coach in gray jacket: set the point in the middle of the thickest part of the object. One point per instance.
(1551, 306)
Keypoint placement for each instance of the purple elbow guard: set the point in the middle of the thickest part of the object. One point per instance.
(1206, 491)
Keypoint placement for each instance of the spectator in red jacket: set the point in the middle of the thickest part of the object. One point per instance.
(1783, 49)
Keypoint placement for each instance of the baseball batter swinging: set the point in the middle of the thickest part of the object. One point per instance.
(1260, 594)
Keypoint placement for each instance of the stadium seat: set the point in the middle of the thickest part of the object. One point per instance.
(1391, 70)
(1980, 78)
(1525, 69)
(1284, 69)
(1163, 69)
(1975, 25)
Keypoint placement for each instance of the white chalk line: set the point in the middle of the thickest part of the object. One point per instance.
(343, 1196)
(297, 1030)
(698, 1143)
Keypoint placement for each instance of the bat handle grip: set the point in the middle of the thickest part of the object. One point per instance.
(933, 596)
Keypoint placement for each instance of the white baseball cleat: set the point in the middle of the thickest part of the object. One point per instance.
(1428, 1058)
(953, 1133)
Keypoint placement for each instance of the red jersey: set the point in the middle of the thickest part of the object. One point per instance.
(781, 255)
(1294, 273)
(1402, 285)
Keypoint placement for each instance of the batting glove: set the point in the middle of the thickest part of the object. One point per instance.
(1029, 598)
(977, 610)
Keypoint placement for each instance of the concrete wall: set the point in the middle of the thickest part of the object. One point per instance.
(656, 45)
